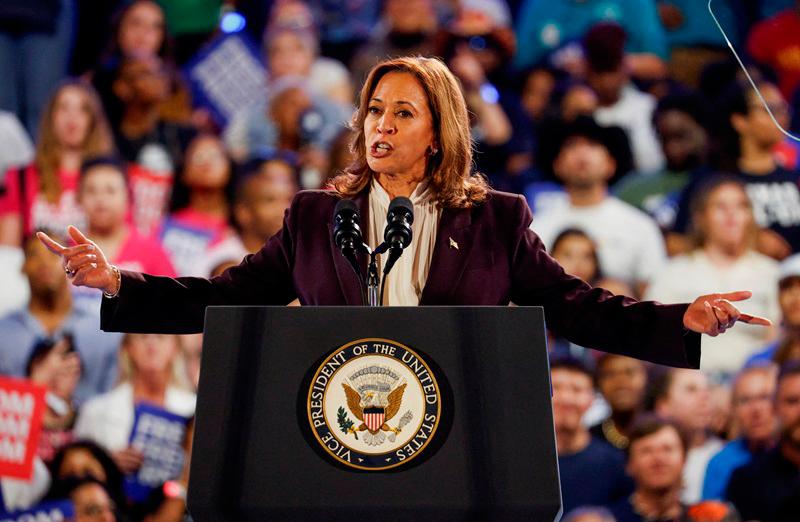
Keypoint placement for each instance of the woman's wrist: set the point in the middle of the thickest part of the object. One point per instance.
(114, 291)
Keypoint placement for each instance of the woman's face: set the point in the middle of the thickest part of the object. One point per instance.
(289, 55)
(727, 216)
(80, 462)
(207, 166)
(576, 254)
(141, 31)
(152, 353)
(104, 197)
(72, 117)
(398, 129)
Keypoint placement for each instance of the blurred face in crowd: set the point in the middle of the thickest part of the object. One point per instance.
(683, 140)
(579, 100)
(757, 125)
(141, 30)
(104, 198)
(727, 218)
(789, 299)
(207, 166)
(398, 129)
(72, 117)
(583, 163)
(572, 396)
(622, 382)
(286, 109)
(79, 462)
(656, 461)
(688, 400)
(152, 353)
(576, 254)
(607, 85)
(410, 16)
(537, 92)
(262, 205)
(753, 394)
(787, 405)
(44, 271)
(92, 504)
(142, 80)
(290, 54)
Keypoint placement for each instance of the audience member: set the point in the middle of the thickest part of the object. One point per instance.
(656, 457)
(104, 197)
(150, 374)
(746, 138)
(621, 103)
(57, 367)
(623, 382)
(629, 244)
(50, 314)
(768, 488)
(84, 459)
(201, 206)
(680, 125)
(90, 498)
(591, 471)
(723, 260)
(43, 195)
(683, 396)
(773, 42)
(789, 301)
(754, 418)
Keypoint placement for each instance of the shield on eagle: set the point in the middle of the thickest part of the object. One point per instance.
(373, 418)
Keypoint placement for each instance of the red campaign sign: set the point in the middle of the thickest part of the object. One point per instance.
(21, 411)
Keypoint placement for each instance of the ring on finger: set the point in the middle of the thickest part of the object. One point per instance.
(68, 271)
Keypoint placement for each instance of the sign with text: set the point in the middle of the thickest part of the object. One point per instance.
(62, 511)
(226, 76)
(159, 435)
(21, 410)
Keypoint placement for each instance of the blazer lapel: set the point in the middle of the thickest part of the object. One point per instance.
(348, 281)
(454, 241)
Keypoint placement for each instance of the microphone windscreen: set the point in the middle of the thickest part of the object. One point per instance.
(345, 204)
(404, 205)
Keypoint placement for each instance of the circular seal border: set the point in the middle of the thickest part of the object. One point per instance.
(326, 427)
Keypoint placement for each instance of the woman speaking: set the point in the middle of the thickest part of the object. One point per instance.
(471, 245)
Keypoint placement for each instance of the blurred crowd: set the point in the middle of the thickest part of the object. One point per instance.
(653, 167)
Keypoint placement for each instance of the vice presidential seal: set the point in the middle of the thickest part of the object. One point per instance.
(374, 404)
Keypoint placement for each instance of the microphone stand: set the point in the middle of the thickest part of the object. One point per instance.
(373, 277)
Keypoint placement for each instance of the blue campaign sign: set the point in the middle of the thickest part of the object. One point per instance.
(226, 76)
(60, 511)
(159, 435)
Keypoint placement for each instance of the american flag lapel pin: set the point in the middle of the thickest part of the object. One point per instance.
(453, 243)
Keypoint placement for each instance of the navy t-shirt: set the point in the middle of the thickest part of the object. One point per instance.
(775, 197)
(593, 477)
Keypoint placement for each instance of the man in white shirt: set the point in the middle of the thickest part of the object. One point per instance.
(630, 246)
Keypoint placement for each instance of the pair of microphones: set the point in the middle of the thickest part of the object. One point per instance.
(349, 240)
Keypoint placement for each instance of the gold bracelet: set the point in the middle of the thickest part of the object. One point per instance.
(119, 283)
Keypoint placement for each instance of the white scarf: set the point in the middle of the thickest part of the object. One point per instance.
(407, 279)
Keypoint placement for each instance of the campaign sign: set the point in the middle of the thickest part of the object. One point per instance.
(60, 511)
(159, 435)
(21, 411)
(226, 76)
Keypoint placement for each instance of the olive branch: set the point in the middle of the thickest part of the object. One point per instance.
(345, 423)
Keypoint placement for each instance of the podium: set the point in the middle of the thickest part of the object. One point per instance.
(357, 413)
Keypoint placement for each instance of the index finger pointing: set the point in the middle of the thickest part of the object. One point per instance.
(741, 295)
(77, 235)
(52, 246)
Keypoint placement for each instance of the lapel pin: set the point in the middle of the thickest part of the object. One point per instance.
(453, 243)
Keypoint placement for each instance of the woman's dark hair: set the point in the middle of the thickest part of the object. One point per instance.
(576, 232)
(43, 348)
(114, 477)
(165, 52)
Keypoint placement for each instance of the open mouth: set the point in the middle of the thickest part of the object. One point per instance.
(380, 149)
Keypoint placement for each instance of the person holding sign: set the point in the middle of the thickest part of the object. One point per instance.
(471, 245)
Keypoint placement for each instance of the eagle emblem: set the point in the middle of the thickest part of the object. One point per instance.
(374, 396)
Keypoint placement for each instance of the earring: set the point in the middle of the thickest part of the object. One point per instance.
(433, 151)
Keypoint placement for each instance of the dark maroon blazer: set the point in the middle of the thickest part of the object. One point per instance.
(498, 260)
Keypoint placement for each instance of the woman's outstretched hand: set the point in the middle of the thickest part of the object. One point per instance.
(713, 314)
(85, 264)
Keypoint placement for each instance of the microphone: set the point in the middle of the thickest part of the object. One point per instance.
(398, 230)
(347, 234)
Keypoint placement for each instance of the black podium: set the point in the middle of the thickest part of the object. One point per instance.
(259, 455)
